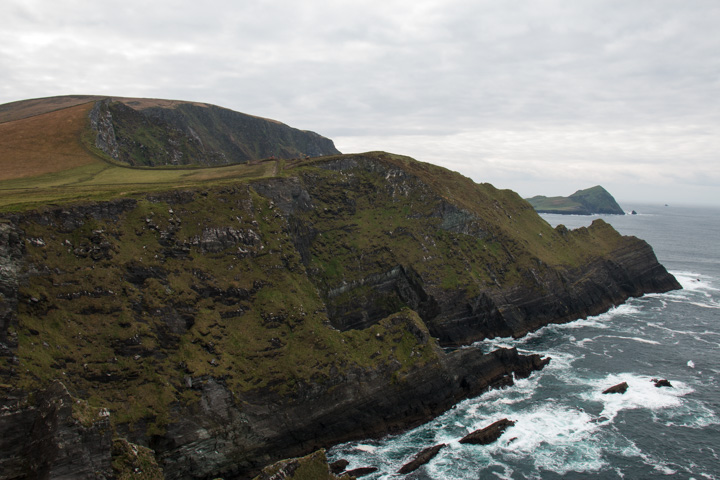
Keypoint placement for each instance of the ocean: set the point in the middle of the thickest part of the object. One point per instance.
(565, 427)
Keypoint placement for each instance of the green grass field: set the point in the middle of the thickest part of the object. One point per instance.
(103, 180)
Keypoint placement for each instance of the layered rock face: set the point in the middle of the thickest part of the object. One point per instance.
(227, 327)
(472, 267)
(53, 436)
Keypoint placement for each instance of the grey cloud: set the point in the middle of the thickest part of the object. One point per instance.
(639, 80)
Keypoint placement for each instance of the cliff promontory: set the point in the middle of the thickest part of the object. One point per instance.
(209, 324)
(583, 202)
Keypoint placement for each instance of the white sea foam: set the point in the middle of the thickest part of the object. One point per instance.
(695, 415)
(366, 448)
(695, 282)
(557, 438)
(634, 339)
(641, 393)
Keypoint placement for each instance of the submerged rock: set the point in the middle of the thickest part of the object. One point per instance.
(489, 434)
(598, 419)
(619, 388)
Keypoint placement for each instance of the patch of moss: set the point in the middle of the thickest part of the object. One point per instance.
(134, 462)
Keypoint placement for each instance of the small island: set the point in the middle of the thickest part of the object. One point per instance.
(583, 202)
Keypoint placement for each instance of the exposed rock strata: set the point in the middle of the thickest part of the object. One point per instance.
(258, 321)
(544, 295)
(359, 405)
(12, 250)
(43, 438)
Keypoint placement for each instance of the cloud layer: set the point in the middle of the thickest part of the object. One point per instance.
(542, 96)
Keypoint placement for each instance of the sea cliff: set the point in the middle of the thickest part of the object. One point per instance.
(226, 326)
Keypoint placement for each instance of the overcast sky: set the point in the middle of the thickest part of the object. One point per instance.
(539, 96)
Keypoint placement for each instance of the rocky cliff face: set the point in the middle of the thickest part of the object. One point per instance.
(146, 133)
(53, 436)
(227, 327)
(493, 281)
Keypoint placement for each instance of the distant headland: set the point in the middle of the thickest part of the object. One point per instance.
(583, 202)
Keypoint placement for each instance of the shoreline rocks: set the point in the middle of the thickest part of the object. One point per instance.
(421, 459)
(619, 388)
(661, 382)
(489, 434)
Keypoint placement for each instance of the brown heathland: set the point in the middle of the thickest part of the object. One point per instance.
(44, 143)
(10, 112)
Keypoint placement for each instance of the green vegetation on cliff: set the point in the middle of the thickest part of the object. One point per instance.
(583, 202)
(145, 132)
(233, 314)
(143, 293)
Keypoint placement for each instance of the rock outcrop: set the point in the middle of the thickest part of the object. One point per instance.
(313, 466)
(421, 459)
(375, 279)
(661, 382)
(52, 435)
(619, 388)
(489, 434)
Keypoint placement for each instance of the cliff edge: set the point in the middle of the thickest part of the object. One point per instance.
(225, 325)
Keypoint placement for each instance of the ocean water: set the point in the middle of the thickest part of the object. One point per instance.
(565, 427)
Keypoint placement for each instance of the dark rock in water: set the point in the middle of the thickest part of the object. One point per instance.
(489, 434)
(661, 382)
(361, 472)
(338, 466)
(599, 419)
(421, 459)
(633, 212)
(619, 388)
